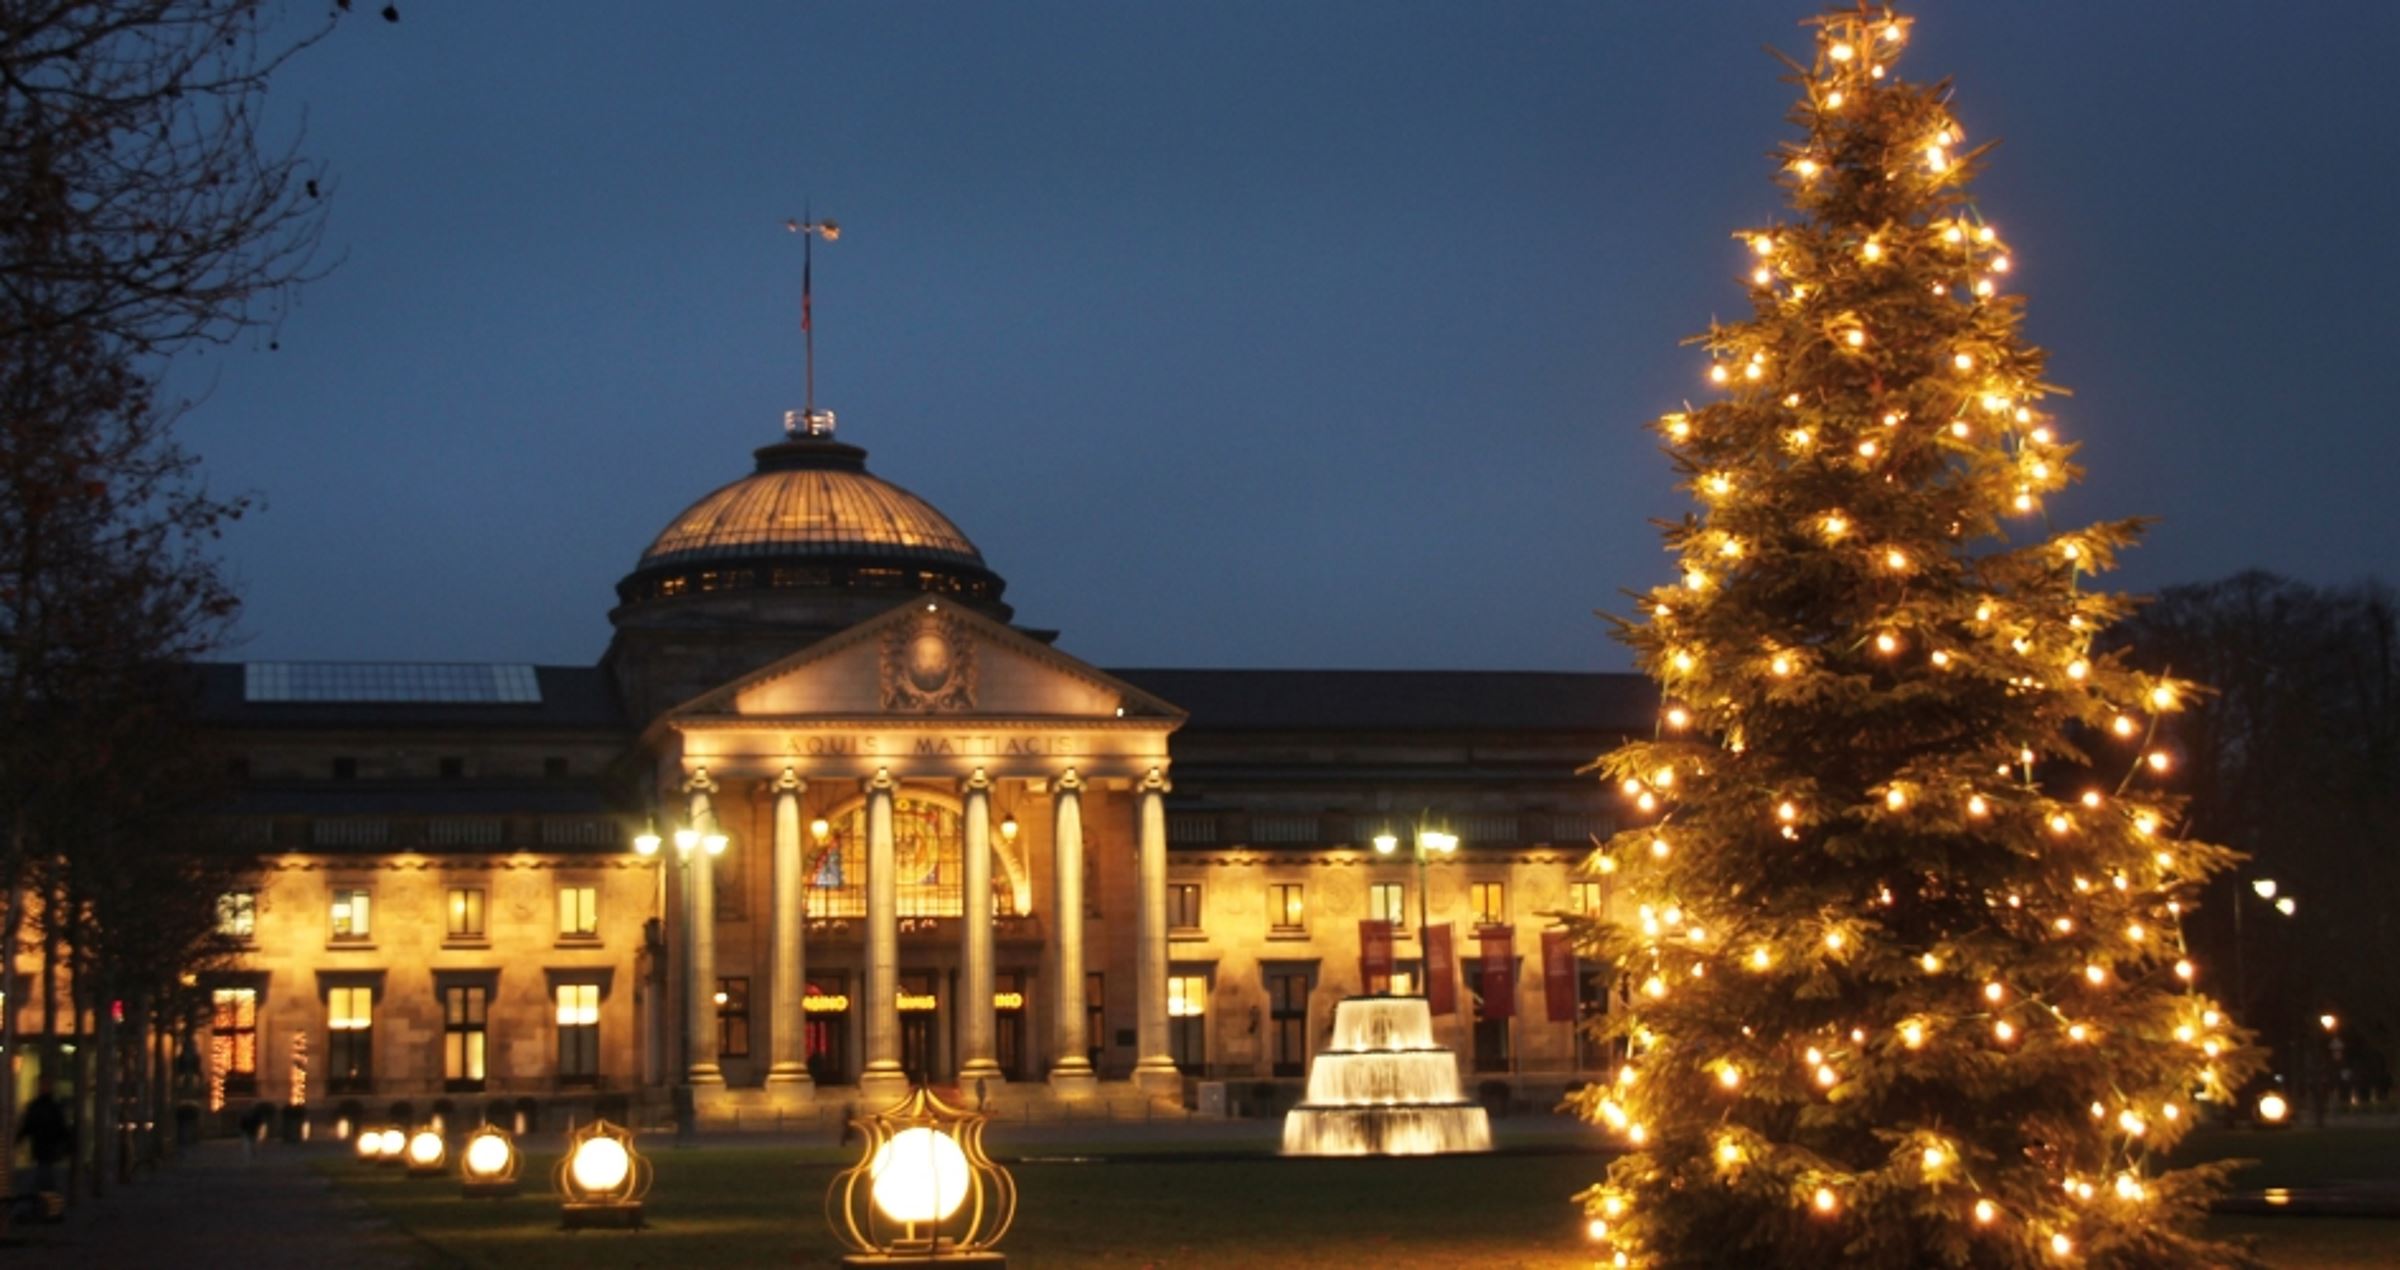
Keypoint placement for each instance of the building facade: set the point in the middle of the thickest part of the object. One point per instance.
(826, 818)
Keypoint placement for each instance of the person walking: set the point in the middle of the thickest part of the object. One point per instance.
(45, 1129)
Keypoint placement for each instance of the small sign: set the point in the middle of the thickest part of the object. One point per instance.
(916, 1002)
(825, 1003)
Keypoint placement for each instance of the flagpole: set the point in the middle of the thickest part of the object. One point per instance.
(810, 230)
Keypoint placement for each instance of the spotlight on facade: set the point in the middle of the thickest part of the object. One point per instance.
(923, 1190)
(488, 1167)
(428, 1155)
(1008, 827)
(601, 1180)
(819, 830)
(2272, 1108)
(647, 841)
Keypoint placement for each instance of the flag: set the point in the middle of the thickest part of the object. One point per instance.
(1441, 991)
(1558, 974)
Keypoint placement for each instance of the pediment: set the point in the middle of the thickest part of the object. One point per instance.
(925, 659)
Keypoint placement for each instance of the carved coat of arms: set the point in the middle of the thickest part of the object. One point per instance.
(928, 664)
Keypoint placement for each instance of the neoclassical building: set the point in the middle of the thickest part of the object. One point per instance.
(825, 818)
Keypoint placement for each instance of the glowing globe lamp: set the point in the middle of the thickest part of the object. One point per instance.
(923, 1192)
(602, 1179)
(488, 1167)
(427, 1154)
(2272, 1109)
(919, 1176)
(369, 1146)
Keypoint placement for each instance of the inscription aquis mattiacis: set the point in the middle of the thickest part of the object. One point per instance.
(959, 745)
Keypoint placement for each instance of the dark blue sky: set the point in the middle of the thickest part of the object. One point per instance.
(1262, 334)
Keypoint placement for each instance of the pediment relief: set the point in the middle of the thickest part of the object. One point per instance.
(930, 661)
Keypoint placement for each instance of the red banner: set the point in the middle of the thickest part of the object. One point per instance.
(1375, 954)
(1498, 981)
(1441, 972)
(1558, 974)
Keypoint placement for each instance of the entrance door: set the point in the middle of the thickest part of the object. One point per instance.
(827, 1011)
(1287, 998)
(1008, 1023)
(920, 1051)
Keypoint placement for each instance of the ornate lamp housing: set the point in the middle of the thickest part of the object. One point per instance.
(428, 1155)
(923, 1192)
(487, 1169)
(601, 1179)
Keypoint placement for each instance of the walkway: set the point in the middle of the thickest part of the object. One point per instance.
(210, 1209)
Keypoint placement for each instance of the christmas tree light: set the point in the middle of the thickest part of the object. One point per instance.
(1915, 801)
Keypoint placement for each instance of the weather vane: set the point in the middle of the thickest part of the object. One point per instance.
(808, 420)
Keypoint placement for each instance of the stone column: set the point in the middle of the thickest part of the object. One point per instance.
(883, 1082)
(976, 1058)
(1154, 1067)
(1070, 1063)
(700, 901)
(787, 974)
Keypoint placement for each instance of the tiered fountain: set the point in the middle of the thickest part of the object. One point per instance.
(1384, 1088)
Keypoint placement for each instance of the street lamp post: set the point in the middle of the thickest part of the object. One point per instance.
(686, 840)
(1426, 842)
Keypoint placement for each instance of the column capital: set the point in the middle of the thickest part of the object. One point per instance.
(1155, 781)
(1068, 781)
(789, 782)
(698, 782)
(975, 782)
(882, 782)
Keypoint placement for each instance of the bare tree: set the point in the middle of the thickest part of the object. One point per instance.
(145, 204)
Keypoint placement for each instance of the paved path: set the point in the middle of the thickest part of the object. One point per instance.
(210, 1208)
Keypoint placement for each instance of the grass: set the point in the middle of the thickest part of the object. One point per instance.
(723, 1206)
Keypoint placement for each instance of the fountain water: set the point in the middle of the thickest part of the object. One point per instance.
(1384, 1088)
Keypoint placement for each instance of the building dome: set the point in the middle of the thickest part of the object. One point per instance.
(810, 519)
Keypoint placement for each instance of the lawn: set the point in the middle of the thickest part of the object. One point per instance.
(724, 1206)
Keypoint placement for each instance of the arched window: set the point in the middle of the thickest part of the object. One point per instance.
(926, 837)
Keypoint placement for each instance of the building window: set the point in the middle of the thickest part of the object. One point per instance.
(1388, 902)
(1287, 1002)
(351, 914)
(1187, 1022)
(1491, 903)
(466, 913)
(1183, 906)
(237, 916)
(578, 1033)
(733, 1018)
(465, 1010)
(1583, 898)
(926, 848)
(1286, 915)
(233, 1043)
(579, 912)
(350, 1048)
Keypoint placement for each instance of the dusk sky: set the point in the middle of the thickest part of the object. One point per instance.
(1262, 334)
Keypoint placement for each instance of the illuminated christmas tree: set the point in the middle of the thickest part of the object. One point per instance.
(1910, 984)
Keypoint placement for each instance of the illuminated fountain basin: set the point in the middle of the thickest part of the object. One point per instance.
(1384, 1088)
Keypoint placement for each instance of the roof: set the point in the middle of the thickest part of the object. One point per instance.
(811, 497)
(1385, 700)
(570, 698)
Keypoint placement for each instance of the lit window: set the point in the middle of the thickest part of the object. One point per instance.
(579, 912)
(1584, 898)
(1286, 913)
(1187, 1021)
(237, 915)
(350, 913)
(233, 1043)
(1491, 903)
(1183, 906)
(1388, 902)
(466, 1008)
(350, 1051)
(578, 1032)
(466, 912)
